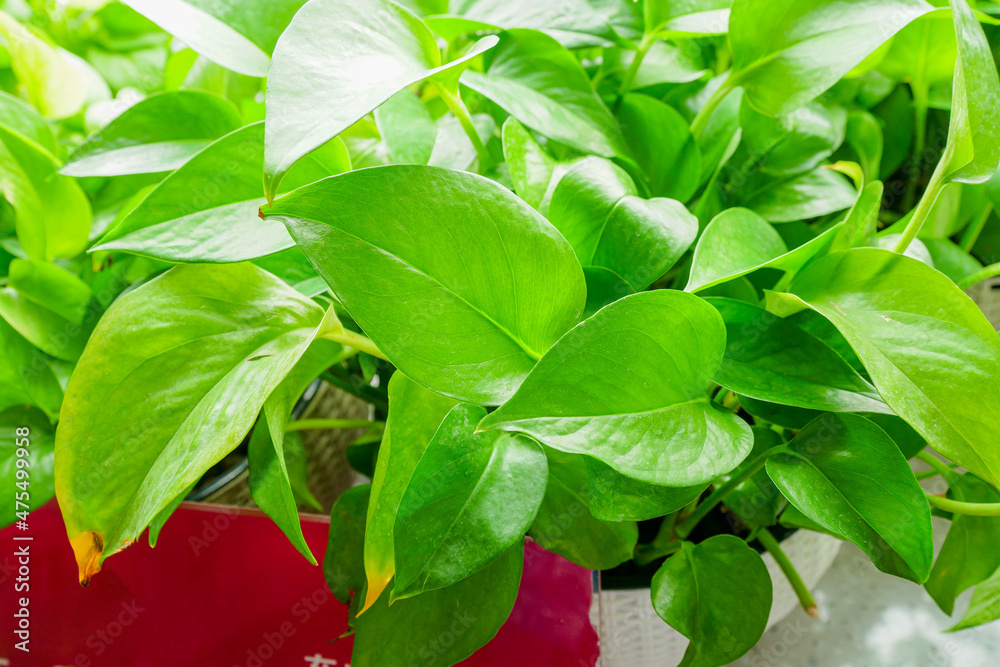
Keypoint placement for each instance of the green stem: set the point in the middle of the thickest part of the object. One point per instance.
(644, 46)
(959, 507)
(984, 273)
(765, 537)
(939, 466)
(922, 211)
(647, 553)
(317, 424)
(973, 231)
(355, 340)
(919, 141)
(685, 527)
(457, 106)
(700, 121)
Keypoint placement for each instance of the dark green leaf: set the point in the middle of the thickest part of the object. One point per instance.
(614, 497)
(565, 523)
(847, 475)
(661, 143)
(463, 482)
(718, 595)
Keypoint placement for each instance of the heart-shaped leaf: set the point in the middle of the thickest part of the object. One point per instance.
(427, 261)
(355, 54)
(536, 80)
(929, 349)
(848, 476)
(718, 595)
(595, 207)
(465, 481)
(160, 133)
(627, 387)
(207, 211)
(217, 340)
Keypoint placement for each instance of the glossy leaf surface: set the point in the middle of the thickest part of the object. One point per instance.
(207, 365)
(462, 300)
(718, 595)
(627, 387)
(470, 499)
(848, 476)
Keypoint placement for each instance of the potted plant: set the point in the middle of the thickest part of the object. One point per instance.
(654, 281)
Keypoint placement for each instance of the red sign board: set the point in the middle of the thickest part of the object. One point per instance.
(224, 588)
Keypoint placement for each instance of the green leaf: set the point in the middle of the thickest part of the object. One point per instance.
(735, 242)
(270, 483)
(775, 45)
(799, 141)
(472, 610)
(718, 595)
(565, 523)
(46, 330)
(809, 195)
(53, 215)
(160, 133)
(355, 55)
(848, 476)
(969, 555)
(343, 568)
(465, 481)
(53, 83)
(973, 149)
(55, 289)
(772, 359)
(407, 128)
(217, 340)
(433, 282)
(985, 604)
(864, 134)
(23, 428)
(237, 35)
(220, 222)
(594, 206)
(452, 147)
(414, 416)
(929, 349)
(687, 17)
(659, 139)
(532, 170)
(614, 497)
(923, 53)
(627, 387)
(757, 500)
(25, 375)
(536, 80)
(575, 23)
(21, 118)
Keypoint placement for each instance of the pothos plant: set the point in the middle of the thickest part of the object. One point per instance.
(614, 261)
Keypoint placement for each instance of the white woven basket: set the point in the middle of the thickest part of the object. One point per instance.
(632, 635)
